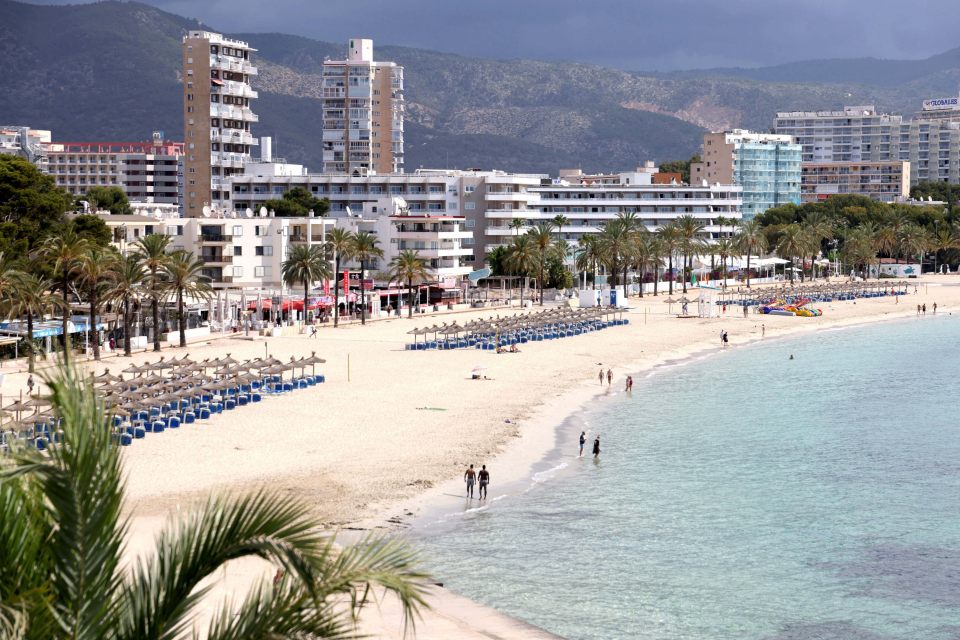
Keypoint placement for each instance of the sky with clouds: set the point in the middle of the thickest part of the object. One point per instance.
(643, 35)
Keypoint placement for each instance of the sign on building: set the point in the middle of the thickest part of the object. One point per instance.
(938, 104)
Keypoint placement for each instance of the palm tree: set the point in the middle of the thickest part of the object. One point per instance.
(944, 240)
(340, 242)
(819, 227)
(522, 256)
(669, 236)
(914, 241)
(590, 256)
(305, 265)
(95, 271)
(62, 251)
(125, 288)
(691, 242)
(183, 274)
(407, 266)
(749, 239)
(656, 251)
(724, 247)
(33, 297)
(560, 221)
(859, 247)
(516, 224)
(62, 530)
(794, 241)
(642, 253)
(152, 253)
(365, 246)
(542, 239)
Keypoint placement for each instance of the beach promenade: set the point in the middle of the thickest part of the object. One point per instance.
(392, 430)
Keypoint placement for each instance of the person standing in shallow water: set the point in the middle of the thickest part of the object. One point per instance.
(596, 447)
(483, 478)
(583, 441)
(601, 376)
(609, 377)
(470, 476)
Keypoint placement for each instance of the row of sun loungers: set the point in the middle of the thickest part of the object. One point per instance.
(535, 326)
(168, 395)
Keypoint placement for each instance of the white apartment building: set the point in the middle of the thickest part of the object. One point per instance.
(439, 238)
(26, 143)
(589, 206)
(148, 172)
(216, 117)
(930, 142)
(239, 252)
(362, 113)
(482, 198)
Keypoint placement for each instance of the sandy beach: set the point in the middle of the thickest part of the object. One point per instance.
(391, 431)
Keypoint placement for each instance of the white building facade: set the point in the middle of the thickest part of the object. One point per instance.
(589, 207)
(363, 110)
(930, 142)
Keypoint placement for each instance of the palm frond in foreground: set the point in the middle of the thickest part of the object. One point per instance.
(62, 539)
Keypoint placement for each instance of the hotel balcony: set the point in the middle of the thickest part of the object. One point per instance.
(507, 214)
(233, 136)
(215, 238)
(216, 259)
(233, 112)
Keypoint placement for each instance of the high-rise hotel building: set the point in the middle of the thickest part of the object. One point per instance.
(930, 141)
(216, 117)
(362, 113)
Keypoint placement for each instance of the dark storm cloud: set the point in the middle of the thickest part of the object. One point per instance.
(631, 34)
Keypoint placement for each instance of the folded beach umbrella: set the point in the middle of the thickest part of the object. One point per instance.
(38, 401)
(106, 377)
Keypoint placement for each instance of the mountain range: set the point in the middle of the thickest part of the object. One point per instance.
(110, 71)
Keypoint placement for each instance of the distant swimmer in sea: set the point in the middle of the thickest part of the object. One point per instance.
(483, 478)
(596, 447)
(791, 356)
(470, 476)
(583, 441)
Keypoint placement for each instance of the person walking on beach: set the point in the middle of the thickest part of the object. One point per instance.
(629, 386)
(470, 476)
(609, 377)
(724, 339)
(918, 310)
(596, 447)
(924, 308)
(722, 333)
(763, 330)
(483, 478)
(30, 385)
(601, 375)
(934, 308)
(583, 441)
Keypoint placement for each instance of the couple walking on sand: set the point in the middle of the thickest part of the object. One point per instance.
(596, 444)
(609, 376)
(472, 477)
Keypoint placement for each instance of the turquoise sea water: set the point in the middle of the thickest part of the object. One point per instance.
(741, 495)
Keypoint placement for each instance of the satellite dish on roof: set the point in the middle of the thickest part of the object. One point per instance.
(248, 212)
(263, 212)
(206, 211)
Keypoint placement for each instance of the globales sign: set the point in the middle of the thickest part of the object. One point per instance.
(941, 103)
